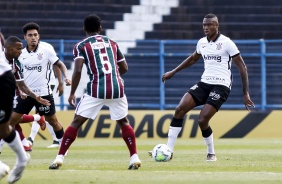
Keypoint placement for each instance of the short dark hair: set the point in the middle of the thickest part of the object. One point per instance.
(210, 15)
(29, 26)
(92, 23)
(12, 40)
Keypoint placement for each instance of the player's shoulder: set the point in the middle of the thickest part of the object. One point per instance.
(203, 40)
(45, 44)
(224, 38)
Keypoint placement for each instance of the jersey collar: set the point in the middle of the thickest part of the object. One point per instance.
(34, 49)
(218, 34)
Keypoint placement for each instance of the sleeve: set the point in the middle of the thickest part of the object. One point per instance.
(52, 55)
(78, 51)
(120, 56)
(18, 70)
(232, 49)
(198, 48)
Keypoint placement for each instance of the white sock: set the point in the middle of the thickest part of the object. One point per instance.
(24, 142)
(36, 117)
(51, 130)
(2, 142)
(172, 136)
(17, 147)
(34, 129)
(209, 143)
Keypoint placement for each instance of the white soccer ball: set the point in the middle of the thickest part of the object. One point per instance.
(161, 153)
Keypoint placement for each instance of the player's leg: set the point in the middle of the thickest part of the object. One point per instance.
(216, 98)
(25, 143)
(50, 115)
(33, 131)
(88, 107)
(55, 143)
(206, 114)
(10, 136)
(119, 110)
(186, 104)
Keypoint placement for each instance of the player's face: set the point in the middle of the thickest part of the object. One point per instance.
(16, 49)
(210, 27)
(32, 37)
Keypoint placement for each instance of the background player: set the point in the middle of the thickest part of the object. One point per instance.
(213, 90)
(105, 63)
(37, 60)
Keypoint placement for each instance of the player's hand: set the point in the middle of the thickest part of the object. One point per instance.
(43, 101)
(167, 75)
(60, 89)
(248, 102)
(67, 81)
(23, 96)
(72, 100)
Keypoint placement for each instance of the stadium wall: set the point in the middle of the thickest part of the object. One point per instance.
(153, 124)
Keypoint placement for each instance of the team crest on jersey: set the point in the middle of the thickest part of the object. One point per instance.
(219, 46)
(39, 56)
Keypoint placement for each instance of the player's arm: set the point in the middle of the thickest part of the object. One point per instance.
(2, 39)
(64, 71)
(192, 59)
(23, 87)
(240, 64)
(76, 75)
(122, 67)
(58, 74)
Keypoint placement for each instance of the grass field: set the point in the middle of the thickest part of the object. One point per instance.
(106, 161)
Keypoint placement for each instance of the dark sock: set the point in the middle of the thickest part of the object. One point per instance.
(128, 136)
(68, 138)
(20, 131)
(207, 132)
(176, 122)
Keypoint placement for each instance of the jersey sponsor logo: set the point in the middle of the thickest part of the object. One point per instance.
(45, 109)
(214, 79)
(33, 67)
(214, 95)
(216, 58)
(99, 45)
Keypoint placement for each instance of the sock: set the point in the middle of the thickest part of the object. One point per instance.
(59, 135)
(30, 118)
(25, 143)
(14, 142)
(51, 130)
(128, 136)
(2, 142)
(18, 128)
(208, 138)
(174, 130)
(34, 130)
(68, 138)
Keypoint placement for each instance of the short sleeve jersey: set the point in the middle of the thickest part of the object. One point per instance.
(217, 56)
(38, 66)
(4, 66)
(101, 56)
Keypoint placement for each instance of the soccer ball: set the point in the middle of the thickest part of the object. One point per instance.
(161, 153)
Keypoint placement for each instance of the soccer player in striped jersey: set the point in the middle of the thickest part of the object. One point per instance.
(217, 51)
(10, 136)
(37, 59)
(105, 64)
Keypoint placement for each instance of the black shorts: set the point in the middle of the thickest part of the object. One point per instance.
(7, 93)
(24, 106)
(214, 95)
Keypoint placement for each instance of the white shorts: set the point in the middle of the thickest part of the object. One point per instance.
(89, 107)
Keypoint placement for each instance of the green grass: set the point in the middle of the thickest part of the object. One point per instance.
(106, 161)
